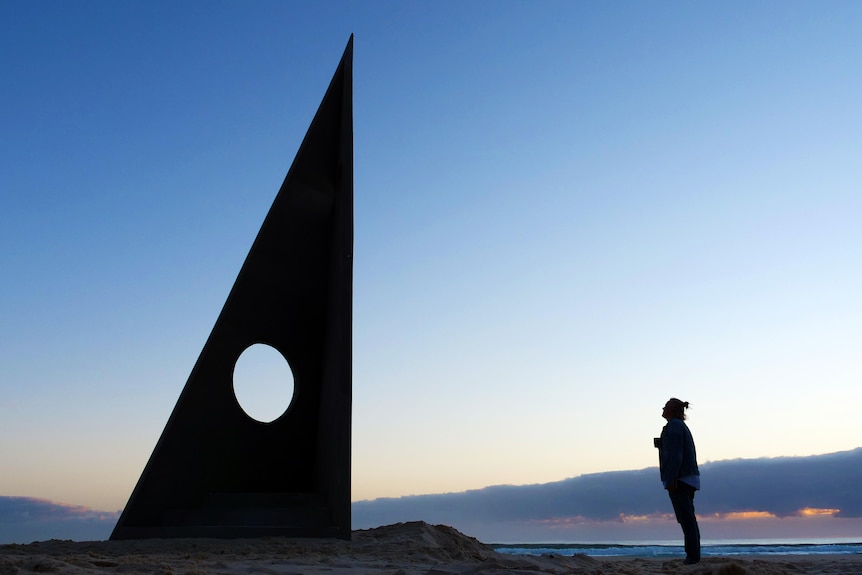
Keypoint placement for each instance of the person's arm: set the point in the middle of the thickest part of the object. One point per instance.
(672, 451)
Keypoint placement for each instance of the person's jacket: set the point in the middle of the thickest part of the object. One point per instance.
(677, 455)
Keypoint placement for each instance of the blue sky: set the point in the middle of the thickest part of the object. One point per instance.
(565, 213)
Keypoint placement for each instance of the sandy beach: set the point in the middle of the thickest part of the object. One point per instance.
(403, 549)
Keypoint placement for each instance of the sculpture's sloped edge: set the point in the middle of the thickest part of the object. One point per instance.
(215, 472)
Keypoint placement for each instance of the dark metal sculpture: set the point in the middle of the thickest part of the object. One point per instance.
(215, 471)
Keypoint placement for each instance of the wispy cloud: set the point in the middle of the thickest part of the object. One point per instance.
(27, 519)
(796, 492)
(787, 487)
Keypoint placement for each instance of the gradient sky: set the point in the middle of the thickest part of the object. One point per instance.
(565, 213)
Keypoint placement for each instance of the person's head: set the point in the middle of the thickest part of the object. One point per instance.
(674, 408)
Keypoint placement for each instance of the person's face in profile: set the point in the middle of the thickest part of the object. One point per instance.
(666, 413)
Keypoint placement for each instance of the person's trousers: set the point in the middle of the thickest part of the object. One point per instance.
(682, 499)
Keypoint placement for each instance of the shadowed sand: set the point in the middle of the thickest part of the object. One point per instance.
(402, 549)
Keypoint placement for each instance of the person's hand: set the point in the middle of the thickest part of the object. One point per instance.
(671, 486)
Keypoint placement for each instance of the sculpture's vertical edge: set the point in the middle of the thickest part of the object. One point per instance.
(338, 379)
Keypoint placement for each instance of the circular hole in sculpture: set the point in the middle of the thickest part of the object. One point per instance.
(263, 383)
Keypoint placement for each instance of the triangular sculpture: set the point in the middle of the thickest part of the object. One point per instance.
(216, 472)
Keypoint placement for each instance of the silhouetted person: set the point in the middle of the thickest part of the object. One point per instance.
(679, 473)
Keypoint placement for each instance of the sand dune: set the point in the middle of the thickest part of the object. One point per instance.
(403, 549)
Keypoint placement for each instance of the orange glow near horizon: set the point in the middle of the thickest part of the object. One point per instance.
(748, 515)
(743, 515)
(817, 512)
(566, 522)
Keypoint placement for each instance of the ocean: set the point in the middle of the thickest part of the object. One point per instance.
(666, 549)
